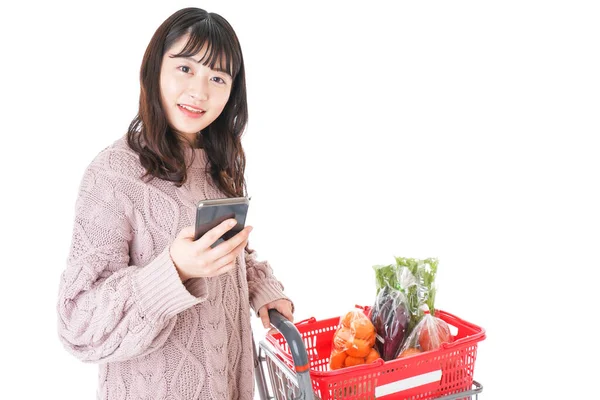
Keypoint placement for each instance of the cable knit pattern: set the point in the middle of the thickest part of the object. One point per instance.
(121, 302)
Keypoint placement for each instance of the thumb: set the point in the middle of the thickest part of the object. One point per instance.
(264, 317)
(187, 233)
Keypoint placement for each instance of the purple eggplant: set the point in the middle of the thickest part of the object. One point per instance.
(391, 317)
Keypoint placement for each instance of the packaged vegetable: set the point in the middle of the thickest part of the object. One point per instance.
(415, 278)
(353, 341)
(390, 317)
(410, 351)
(428, 334)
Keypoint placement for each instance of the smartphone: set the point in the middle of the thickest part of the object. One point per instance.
(210, 213)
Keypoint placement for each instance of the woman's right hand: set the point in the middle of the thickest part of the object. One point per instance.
(196, 259)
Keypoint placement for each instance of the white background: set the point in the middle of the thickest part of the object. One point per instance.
(462, 130)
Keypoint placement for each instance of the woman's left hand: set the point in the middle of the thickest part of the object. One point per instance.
(282, 305)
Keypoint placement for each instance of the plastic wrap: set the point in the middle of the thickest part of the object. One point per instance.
(428, 334)
(353, 341)
(390, 317)
(405, 292)
(416, 279)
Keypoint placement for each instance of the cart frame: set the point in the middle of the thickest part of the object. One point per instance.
(296, 385)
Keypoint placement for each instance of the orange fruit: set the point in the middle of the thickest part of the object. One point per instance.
(354, 317)
(347, 319)
(337, 359)
(371, 340)
(411, 351)
(342, 339)
(372, 356)
(363, 328)
(351, 361)
(359, 348)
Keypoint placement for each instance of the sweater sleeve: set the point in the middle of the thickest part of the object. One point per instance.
(107, 309)
(263, 287)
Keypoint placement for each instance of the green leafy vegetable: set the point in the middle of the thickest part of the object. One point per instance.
(424, 271)
(415, 278)
(385, 275)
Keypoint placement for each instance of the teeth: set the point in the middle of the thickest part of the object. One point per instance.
(190, 109)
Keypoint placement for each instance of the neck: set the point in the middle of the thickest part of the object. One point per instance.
(194, 141)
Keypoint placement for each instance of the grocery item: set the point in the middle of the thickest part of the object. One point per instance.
(353, 341)
(390, 317)
(429, 334)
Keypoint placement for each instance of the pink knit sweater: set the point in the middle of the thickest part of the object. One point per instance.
(122, 304)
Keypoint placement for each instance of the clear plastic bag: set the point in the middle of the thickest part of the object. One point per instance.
(353, 341)
(416, 278)
(390, 317)
(428, 334)
(411, 282)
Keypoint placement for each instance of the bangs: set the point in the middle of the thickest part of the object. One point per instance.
(221, 47)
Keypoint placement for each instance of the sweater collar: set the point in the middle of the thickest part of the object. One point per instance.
(195, 157)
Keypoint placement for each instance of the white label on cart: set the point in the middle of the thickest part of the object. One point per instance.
(408, 383)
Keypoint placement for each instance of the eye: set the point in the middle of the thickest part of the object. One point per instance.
(219, 80)
(185, 69)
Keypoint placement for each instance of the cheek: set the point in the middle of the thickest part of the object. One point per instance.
(163, 91)
(167, 88)
(172, 85)
(222, 100)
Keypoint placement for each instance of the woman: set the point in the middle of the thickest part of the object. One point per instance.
(163, 315)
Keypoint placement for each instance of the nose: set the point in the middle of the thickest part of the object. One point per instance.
(198, 89)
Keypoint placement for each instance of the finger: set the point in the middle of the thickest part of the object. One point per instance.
(224, 261)
(227, 262)
(272, 331)
(215, 233)
(187, 233)
(224, 269)
(229, 257)
(264, 316)
(232, 245)
(239, 250)
(286, 310)
(290, 316)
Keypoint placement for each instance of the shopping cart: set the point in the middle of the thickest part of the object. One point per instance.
(296, 362)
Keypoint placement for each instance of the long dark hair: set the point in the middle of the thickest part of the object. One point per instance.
(159, 147)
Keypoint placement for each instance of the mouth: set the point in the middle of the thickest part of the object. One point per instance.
(191, 111)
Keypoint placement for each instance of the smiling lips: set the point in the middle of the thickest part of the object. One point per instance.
(191, 111)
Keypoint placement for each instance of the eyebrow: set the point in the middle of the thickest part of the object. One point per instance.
(198, 62)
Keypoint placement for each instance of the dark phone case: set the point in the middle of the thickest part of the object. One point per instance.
(210, 213)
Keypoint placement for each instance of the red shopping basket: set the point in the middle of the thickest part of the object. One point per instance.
(428, 375)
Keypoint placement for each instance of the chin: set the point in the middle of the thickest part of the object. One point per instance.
(188, 131)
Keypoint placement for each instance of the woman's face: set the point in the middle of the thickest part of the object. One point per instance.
(193, 95)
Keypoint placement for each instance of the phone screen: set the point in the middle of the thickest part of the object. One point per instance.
(211, 213)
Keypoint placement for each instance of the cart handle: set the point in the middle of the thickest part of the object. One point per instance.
(293, 339)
